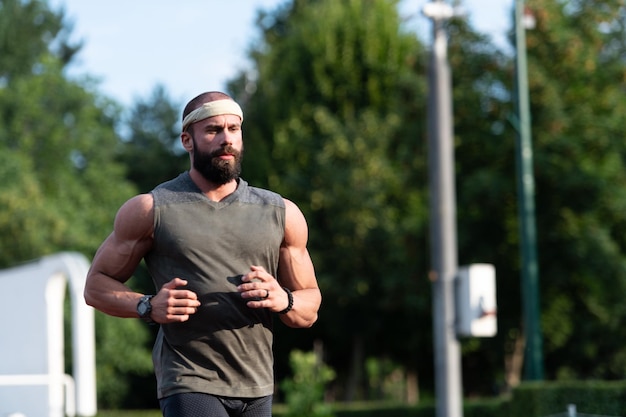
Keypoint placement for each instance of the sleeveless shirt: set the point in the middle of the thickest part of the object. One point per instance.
(225, 348)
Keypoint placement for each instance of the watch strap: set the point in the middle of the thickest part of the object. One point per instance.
(146, 314)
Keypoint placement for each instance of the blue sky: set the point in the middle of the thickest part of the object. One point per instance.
(191, 46)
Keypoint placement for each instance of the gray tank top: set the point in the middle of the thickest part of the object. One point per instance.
(225, 348)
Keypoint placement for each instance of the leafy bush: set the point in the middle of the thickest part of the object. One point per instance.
(304, 392)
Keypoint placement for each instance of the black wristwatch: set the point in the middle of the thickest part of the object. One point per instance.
(144, 308)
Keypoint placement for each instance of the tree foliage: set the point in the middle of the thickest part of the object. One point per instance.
(60, 184)
(337, 107)
(152, 151)
(60, 138)
(486, 190)
(305, 390)
(577, 71)
(337, 112)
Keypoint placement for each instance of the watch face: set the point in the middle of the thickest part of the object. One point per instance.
(144, 307)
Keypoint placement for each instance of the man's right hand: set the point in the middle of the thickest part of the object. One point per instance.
(173, 305)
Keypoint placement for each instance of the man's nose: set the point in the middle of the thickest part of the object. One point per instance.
(229, 137)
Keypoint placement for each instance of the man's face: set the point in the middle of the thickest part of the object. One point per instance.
(218, 148)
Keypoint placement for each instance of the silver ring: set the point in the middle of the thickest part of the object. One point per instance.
(267, 294)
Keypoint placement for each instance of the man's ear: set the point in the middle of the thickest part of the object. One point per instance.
(187, 141)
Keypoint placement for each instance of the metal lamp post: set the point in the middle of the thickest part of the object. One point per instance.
(443, 219)
(533, 363)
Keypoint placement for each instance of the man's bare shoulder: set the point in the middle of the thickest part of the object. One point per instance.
(296, 229)
(135, 218)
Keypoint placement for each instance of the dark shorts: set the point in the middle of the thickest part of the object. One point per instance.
(195, 404)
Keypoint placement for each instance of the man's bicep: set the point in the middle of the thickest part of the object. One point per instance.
(123, 249)
(296, 269)
(117, 258)
(296, 229)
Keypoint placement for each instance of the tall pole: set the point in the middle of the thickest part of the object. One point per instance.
(533, 363)
(443, 219)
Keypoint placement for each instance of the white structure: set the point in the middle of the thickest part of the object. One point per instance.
(476, 301)
(32, 378)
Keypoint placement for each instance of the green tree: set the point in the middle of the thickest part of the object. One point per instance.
(62, 136)
(152, 151)
(577, 71)
(29, 30)
(325, 94)
(304, 391)
(60, 184)
(334, 123)
(487, 223)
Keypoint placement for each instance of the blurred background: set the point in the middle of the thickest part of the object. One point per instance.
(335, 98)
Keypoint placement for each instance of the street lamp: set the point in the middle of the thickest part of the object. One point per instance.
(448, 390)
(533, 363)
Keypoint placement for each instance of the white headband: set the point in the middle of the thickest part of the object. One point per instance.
(213, 108)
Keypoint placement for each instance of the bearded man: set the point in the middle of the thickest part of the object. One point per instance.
(225, 257)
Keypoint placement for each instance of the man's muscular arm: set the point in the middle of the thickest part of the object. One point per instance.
(296, 271)
(118, 257)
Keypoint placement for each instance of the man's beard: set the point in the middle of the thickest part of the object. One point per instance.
(216, 170)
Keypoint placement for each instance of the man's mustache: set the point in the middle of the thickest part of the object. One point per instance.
(227, 150)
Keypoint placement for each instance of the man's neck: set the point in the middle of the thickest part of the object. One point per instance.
(214, 192)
